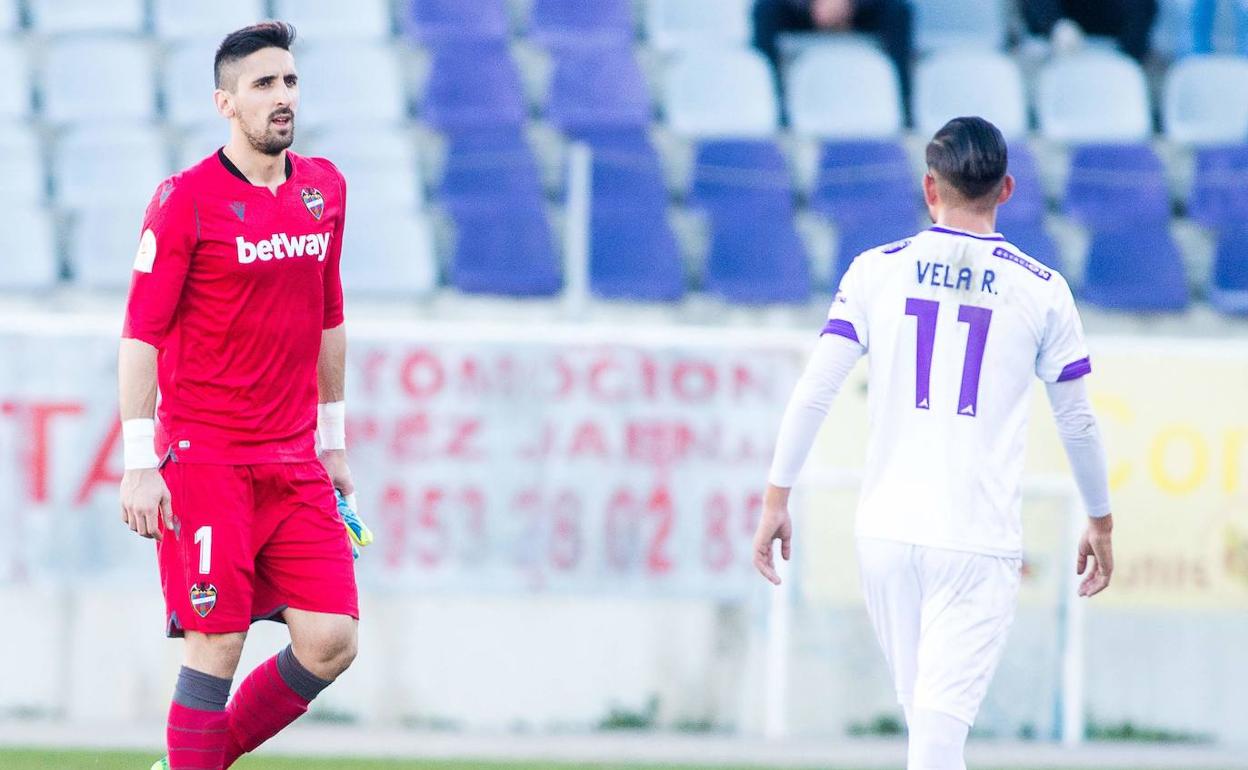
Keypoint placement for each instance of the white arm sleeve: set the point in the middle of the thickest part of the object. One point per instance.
(831, 363)
(1077, 427)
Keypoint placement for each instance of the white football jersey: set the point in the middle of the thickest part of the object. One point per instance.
(955, 325)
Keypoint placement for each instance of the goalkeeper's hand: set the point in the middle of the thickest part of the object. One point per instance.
(358, 532)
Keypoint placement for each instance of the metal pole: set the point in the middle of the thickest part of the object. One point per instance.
(1073, 716)
(576, 230)
(779, 623)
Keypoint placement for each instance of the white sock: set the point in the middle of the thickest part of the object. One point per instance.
(937, 741)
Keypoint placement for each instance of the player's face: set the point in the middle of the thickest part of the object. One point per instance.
(266, 98)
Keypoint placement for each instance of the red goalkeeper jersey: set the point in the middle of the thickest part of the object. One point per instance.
(233, 285)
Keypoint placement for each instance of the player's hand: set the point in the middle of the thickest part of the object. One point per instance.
(1097, 543)
(335, 462)
(145, 501)
(775, 524)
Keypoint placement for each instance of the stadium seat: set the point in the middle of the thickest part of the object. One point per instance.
(1027, 205)
(676, 24)
(724, 92)
(318, 20)
(560, 23)
(1113, 186)
(598, 86)
(865, 181)
(351, 81)
(15, 95)
(441, 22)
(1228, 289)
(380, 164)
(1034, 240)
(473, 86)
(102, 245)
(855, 236)
(121, 165)
(178, 19)
(740, 174)
(844, 91)
(10, 16)
(1137, 268)
(1220, 188)
(633, 253)
(757, 258)
(21, 166)
(504, 248)
(32, 248)
(960, 24)
(952, 83)
(187, 82)
(387, 251)
(1206, 100)
(57, 17)
(626, 168)
(1093, 96)
(204, 139)
(490, 167)
(82, 77)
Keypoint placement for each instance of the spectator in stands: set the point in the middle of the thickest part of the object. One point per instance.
(890, 20)
(1130, 22)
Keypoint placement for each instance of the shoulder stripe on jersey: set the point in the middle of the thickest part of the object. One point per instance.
(1074, 371)
(1027, 264)
(841, 327)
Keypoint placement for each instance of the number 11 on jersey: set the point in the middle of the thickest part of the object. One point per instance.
(925, 312)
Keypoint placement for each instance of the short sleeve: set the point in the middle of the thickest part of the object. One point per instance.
(166, 242)
(1063, 353)
(848, 314)
(333, 265)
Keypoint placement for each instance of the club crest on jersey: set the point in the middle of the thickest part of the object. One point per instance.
(203, 598)
(313, 199)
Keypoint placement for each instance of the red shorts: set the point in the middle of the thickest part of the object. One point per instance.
(248, 542)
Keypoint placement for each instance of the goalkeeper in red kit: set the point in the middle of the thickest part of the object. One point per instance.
(235, 315)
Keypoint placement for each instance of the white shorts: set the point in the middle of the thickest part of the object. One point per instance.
(942, 618)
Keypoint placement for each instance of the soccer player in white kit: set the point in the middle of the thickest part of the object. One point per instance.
(955, 322)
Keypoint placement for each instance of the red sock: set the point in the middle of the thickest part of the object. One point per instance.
(263, 704)
(196, 739)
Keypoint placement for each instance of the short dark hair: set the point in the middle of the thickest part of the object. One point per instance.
(971, 155)
(242, 43)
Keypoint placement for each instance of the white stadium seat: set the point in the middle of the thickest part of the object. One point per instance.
(317, 20)
(1093, 96)
(844, 90)
(21, 166)
(102, 245)
(725, 92)
(350, 82)
(187, 82)
(55, 17)
(960, 24)
(949, 84)
(387, 252)
(676, 24)
(116, 165)
(15, 93)
(1206, 100)
(181, 19)
(10, 19)
(200, 141)
(29, 244)
(89, 78)
(380, 164)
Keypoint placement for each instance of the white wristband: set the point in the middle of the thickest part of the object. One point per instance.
(138, 438)
(331, 425)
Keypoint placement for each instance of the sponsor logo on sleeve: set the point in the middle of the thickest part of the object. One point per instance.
(145, 257)
(315, 202)
(896, 246)
(1010, 256)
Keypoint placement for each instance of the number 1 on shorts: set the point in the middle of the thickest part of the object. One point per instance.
(203, 538)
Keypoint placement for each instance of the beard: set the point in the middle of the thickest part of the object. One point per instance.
(267, 140)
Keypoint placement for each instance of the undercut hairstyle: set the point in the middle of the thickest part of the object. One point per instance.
(970, 154)
(242, 43)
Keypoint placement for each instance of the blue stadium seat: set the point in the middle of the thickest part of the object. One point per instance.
(504, 249)
(633, 253)
(15, 101)
(720, 92)
(187, 82)
(102, 245)
(952, 83)
(598, 86)
(1114, 185)
(496, 167)
(178, 19)
(1033, 239)
(351, 82)
(1228, 289)
(21, 166)
(442, 22)
(388, 251)
(380, 164)
(740, 174)
(681, 24)
(559, 23)
(1220, 188)
(81, 77)
(318, 20)
(844, 90)
(960, 24)
(1095, 96)
(1205, 101)
(33, 245)
(58, 17)
(1027, 205)
(865, 181)
(120, 165)
(757, 258)
(473, 86)
(1136, 268)
(626, 168)
(855, 236)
